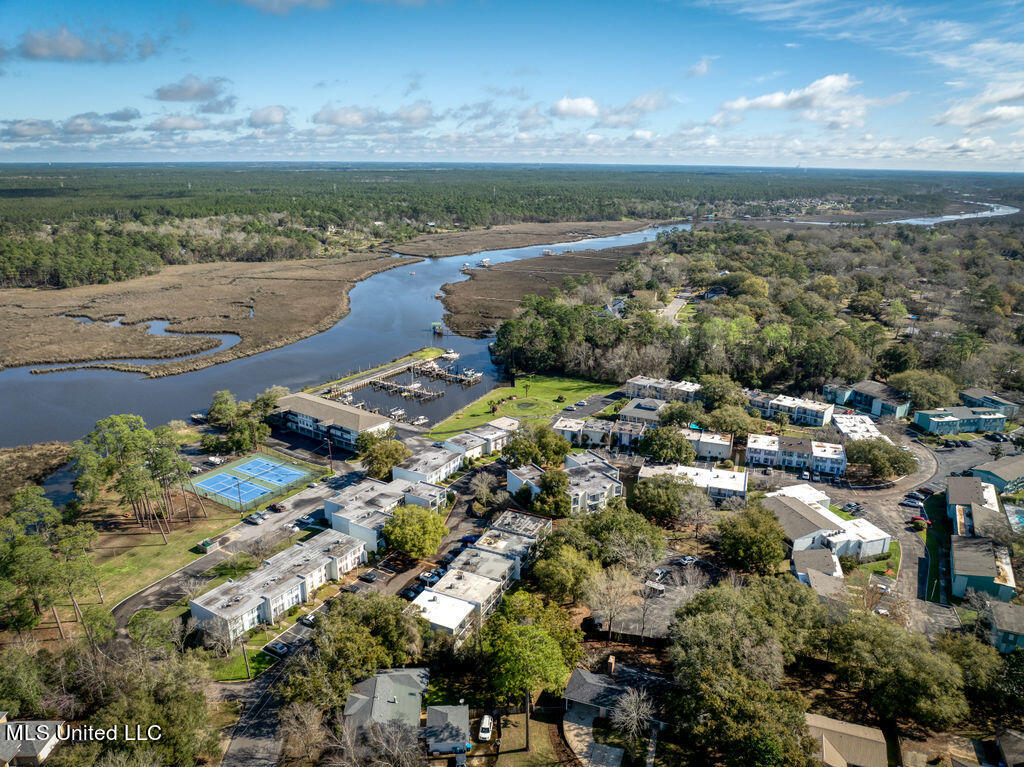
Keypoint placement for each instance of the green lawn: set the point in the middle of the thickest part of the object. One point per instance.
(879, 567)
(687, 311)
(840, 513)
(543, 726)
(534, 399)
(232, 668)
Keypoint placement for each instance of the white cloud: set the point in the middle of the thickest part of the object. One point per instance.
(577, 108)
(828, 100)
(27, 130)
(281, 7)
(63, 44)
(267, 116)
(1001, 103)
(191, 88)
(177, 122)
(702, 68)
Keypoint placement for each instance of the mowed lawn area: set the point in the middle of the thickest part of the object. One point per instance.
(534, 399)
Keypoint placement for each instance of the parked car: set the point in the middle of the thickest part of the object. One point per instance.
(278, 507)
(815, 476)
(921, 519)
(308, 620)
(304, 521)
(767, 472)
(447, 559)
(911, 503)
(916, 496)
(430, 577)
(688, 560)
(486, 726)
(805, 475)
(926, 490)
(368, 577)
(292, 527)
(254, 519)
(992, 436)
(280, 649)
(410, 593)
(659, 574)
(351, 588)
(581, 403)
(469, 539)
(569, 408)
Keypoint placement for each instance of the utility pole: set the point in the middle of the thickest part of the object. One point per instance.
(330, 455)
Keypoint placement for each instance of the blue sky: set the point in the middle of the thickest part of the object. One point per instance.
(825, 84)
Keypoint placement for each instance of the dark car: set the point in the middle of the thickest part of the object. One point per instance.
(447, 559)
(280, 649)
(368, 577)
(410, 593)
(275, 507)
(926, 491)
(351, 588)
(469, 539)
(308, 620)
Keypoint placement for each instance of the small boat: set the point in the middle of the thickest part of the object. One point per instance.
(439, 295)
(485, 262)
(396, 412)
(466, 265)
(547, 252)
(419, 420)
(411, 273)
(415, 385)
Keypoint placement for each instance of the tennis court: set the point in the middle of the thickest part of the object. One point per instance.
(247, 482)
(236, 489)
(269, 471)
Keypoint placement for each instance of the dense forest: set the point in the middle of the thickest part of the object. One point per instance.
(66, 225)
(937, 307)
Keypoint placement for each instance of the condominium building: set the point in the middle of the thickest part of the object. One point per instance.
(975, 397)
(325, 419)
(954, 420)
(709, 445)
(643, 410)
(361, 510)
(431, 465)
(805, 412)
(448, 614)
(719, 483)
(798, 453)
(808, 523)
(281, 582)
(662, 388)
(854, 426)
(874, 397)
(592, 481)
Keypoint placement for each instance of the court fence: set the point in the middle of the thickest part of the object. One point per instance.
(235, 490)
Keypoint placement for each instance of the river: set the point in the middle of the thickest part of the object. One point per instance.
(390, 315)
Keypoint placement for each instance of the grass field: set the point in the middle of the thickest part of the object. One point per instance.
(840, 513)
(232, 668)
(880, 566)
(513, 740)
(936, 539)
(534, 399)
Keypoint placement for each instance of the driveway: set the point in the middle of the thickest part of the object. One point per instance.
(578, 726)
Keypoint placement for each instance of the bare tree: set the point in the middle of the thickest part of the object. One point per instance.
(303, 730)
(393, 744)
(181, 631)
(192, 585)
(217, 635)
(481, 487)
(633, 713)
(344, 747)
(609, 592)
(636, 553)
(695, 509)
(648, 595)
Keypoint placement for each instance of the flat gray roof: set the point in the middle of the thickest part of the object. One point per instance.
(485, 563)
(528, 525)
(429, 460)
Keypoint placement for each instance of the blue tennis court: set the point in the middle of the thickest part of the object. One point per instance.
(238, 490)
(271, 472)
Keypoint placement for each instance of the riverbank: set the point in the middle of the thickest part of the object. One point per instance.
(268, 305)
(448, 244)
(476, 306)
(28, 465)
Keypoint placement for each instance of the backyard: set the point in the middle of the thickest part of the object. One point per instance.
(532, 397)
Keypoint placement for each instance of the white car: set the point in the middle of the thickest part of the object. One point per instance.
(486, 727)
(688, 560)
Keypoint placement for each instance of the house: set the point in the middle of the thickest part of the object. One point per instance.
(719, 483)
(527, 525)
(480, 591)
(709, 445)
(487, 564)
(449, 615)
(596, 431)
(843, 744)
(324, 419)
(643, 410)
(394, 695)
(854, 427)
(874, 397)
(520, 549)
(626, 436)
(27, 742)
(601, 692)
(592, 481)
(361, 510)
(973, 506)
(975, 397)
(822, 560)
(447, 730)
(1011, 747)
(955, 420)
(982, 565)
(467, 444)
(806, 507)
(1006, 473)
(431, 465)
(798, 453)
(494, 437)
(281, 582)
(1007, 626)
(805, 412)
(662, 388)
(570, 428)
